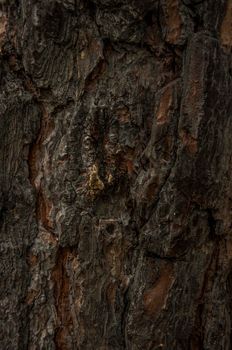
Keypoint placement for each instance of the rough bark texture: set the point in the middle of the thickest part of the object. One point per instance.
(115, 164)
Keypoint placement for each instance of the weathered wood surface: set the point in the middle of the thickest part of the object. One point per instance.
(115, 164)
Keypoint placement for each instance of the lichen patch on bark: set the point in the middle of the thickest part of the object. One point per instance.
(94, 183)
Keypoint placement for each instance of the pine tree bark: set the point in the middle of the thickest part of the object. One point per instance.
(115, 163)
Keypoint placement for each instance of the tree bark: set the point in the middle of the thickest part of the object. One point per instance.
(115, 164)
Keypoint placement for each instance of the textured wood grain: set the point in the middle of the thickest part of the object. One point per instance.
(115, 169)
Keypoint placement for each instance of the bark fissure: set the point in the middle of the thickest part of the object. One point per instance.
(115, 137)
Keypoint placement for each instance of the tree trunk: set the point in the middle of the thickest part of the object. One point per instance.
(116, 162)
